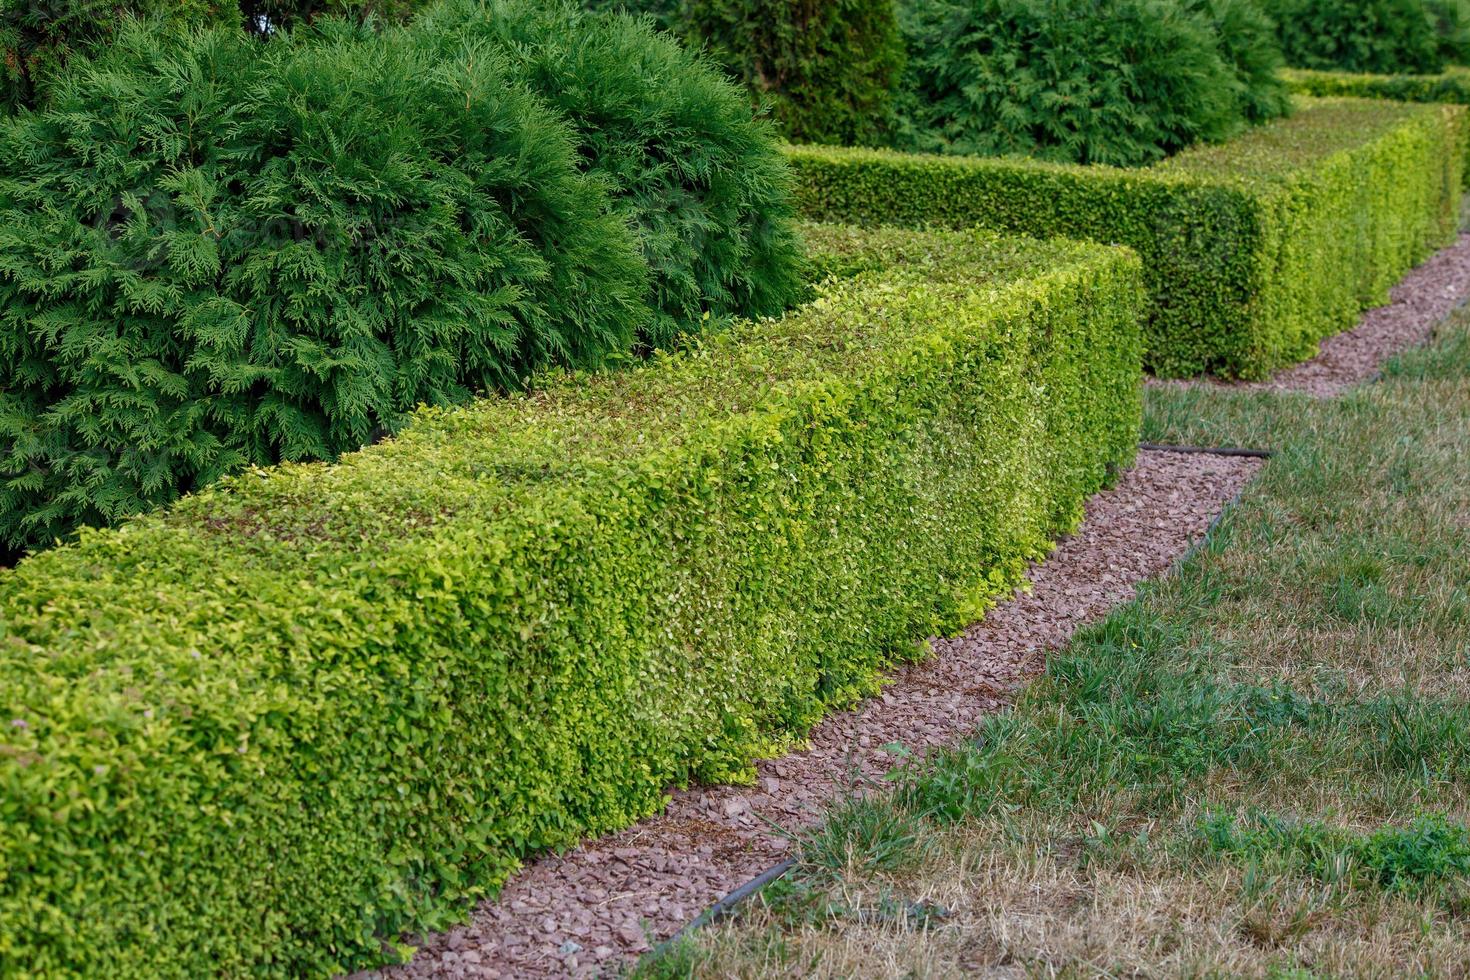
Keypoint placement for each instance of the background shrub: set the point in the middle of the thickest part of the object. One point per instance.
(701, 183)
(265, 15)
(1247, 40)
(38, 36)
(1385, 36)
(828, 69)
(215, 252)
(1253, 250)
(1121, 82)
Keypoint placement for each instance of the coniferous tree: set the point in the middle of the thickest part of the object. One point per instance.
(216, 252)
(702, 184)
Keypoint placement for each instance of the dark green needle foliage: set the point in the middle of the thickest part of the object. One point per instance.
(216, 252)
(265, 16)
(38, 36)
(1122, 82)
(828, 69)
(1381, 36)
(1247, 40)
(702, 183)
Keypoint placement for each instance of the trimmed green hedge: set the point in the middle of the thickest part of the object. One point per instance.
(1451, 85)
(272, 727)
(1253, 250)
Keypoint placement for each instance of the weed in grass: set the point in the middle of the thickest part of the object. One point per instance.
(864, 834)
(953, 784)
(1430, 851)
(676, 961)
(1424, 739)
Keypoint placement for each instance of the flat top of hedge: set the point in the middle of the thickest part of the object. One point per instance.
(1319, 127)
(1456, 72)
(310, 522)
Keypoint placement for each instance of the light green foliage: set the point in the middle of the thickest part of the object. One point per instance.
(1253, 250)
(1258, 767)
(1124, 82)
(216, 252)
(702, 184)
(1450, 85)
(294, 715)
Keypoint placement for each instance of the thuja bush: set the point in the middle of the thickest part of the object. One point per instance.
(829, 70)
(1247, 41)
(215, 252)
(1384, 36)
(702, 183)
(37, 37)
(1122, 82)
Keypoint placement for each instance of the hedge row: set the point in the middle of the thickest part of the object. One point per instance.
(272, 727)
(1253, 250)
(1451, 85)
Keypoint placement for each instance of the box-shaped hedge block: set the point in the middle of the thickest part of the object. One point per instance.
(1253, 250)
(1451, 85)
(275, 725)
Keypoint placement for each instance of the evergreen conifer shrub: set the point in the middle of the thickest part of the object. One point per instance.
(1383, 36)
(1123, 82)
(702, 183)
(265, 15)
(217, 252)
(1246, 37)
(38, 36)
(828, 69)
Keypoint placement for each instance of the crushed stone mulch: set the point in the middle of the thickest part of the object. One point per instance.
(593, 908)
(1417, 305)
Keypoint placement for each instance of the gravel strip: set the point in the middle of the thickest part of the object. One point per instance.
(596, 906)
(1418, 304)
